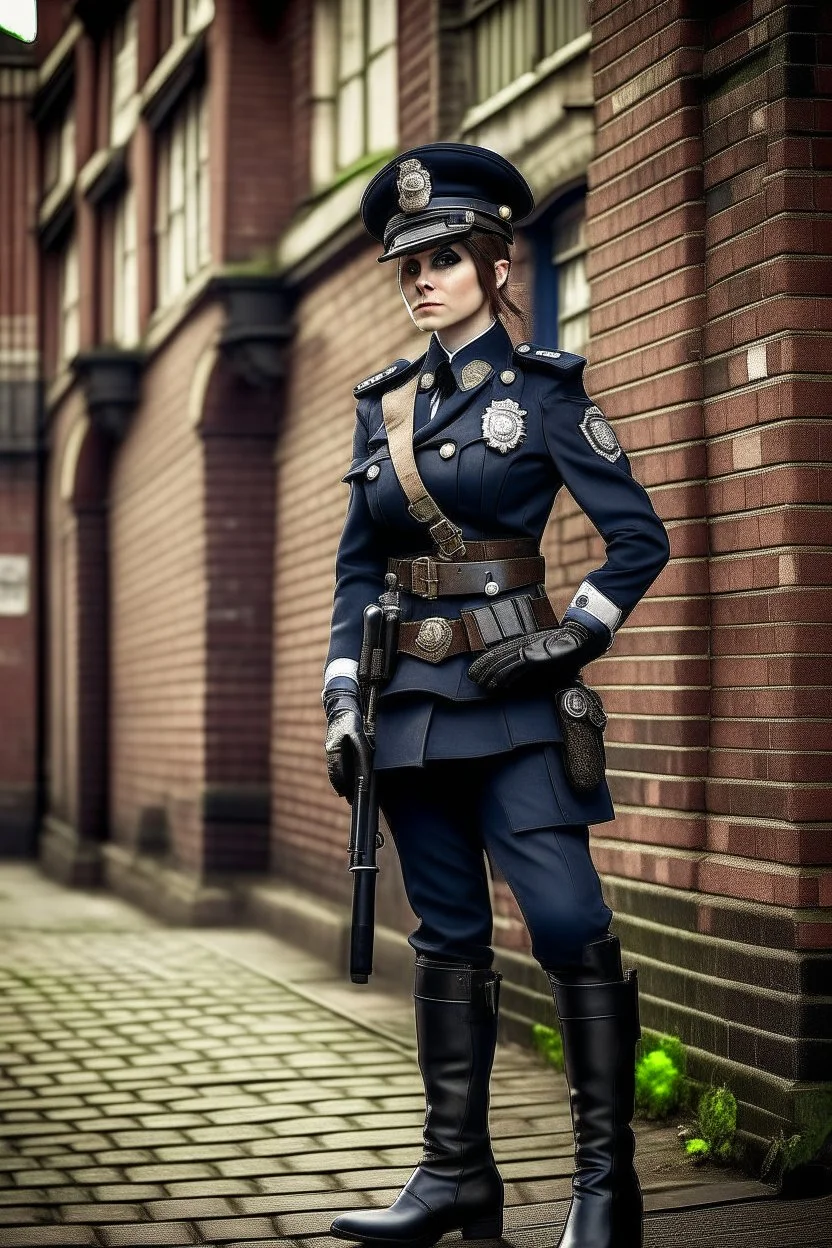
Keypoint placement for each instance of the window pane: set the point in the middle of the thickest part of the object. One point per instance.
(198, 14)
(382, 15)
(382, 104)
(351, 38)
(350, 122)
(69, 302)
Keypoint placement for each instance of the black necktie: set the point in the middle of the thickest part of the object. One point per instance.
(444, 381)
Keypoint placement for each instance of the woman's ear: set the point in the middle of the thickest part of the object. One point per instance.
(501, 268)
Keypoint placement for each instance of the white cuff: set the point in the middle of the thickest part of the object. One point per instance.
(341, 667)
(590, 599)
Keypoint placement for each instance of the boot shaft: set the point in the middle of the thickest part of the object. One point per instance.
(456, 1028)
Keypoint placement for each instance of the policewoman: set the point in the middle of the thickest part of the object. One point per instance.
(458, 458)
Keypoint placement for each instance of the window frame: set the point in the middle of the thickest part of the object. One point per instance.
(125, 291)
(331, 82)
(182, 213)
(546, 20)
(69, 302)
(547, 315)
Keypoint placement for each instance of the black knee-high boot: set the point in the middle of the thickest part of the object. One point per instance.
(456, 1184)
(598, 1010)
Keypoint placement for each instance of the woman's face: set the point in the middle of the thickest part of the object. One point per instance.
(441, 287)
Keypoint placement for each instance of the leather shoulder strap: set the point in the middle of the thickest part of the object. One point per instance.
(397, 408)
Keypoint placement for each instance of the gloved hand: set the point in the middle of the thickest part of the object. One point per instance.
(348, 752)
(546, 660)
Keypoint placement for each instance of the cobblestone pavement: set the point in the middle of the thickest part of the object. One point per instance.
(169, 1086)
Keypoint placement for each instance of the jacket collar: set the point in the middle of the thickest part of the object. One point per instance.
(472, 365)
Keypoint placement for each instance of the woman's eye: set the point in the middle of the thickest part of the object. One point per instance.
(412, 269)
(445, 258)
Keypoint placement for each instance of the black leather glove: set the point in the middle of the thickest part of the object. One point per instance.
(546, 660)
(348, 752)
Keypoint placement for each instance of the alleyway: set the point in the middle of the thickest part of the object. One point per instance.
(164, 1086)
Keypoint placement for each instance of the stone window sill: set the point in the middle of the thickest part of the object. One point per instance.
(326, 223)
(525, 83)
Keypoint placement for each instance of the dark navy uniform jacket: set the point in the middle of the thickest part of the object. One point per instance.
(434, 710)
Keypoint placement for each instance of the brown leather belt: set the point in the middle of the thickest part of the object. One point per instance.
(436, 638)
(506, 563)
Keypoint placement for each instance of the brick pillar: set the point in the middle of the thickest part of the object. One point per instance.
(75, 824)
(704, 240)
(19, 459)
(238, 429)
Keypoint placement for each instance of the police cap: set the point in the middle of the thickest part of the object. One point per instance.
(442, 191)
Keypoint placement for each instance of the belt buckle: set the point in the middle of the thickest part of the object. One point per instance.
(424, 578)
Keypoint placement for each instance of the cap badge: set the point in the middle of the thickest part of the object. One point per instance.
(600, 434)
(503, 426)
(414, 186)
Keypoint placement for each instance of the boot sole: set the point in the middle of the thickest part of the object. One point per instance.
(489, 1228)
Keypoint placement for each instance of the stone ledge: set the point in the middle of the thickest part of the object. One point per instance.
(167, 893)
(68, 857)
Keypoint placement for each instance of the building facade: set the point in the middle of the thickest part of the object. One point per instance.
(187, 298)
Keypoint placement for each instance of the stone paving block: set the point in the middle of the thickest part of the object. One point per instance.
(129, 1191)
(94, 1213)
(280, 1184)
(259, 1113)
(148, 1233)
(39, 1178)
(212, 1186)
(24, 1215)
(68, 1195)
(172, 1173)
(124, 1156)
(190, 1208)
(282, 1146)
(210, 1135)
(327, 1162)
(369, 1179)
(196, 1152)
(147, 1138)
(302, 1202)
(44, 1236)
(223, 1230)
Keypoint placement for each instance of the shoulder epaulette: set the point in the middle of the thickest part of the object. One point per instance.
(560, 361)
(379, 382)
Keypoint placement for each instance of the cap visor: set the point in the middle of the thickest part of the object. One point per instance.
(421, 237)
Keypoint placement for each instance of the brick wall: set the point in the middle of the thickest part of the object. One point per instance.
(157, 609)
(707, 325)
(19, 470)
(250, 119)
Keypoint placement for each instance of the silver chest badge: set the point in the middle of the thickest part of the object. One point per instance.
(503, 426)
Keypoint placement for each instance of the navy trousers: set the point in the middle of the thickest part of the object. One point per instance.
(448, 815)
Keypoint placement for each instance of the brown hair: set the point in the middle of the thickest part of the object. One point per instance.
(485, 249)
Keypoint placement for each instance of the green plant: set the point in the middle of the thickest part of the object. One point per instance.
(660, 1075)
(697, 1149)
(547, 1040)
(658, 1084)
(717, 1122)
(786, 1153)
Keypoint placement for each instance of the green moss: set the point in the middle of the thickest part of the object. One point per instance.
(547, 1040)
(814, 1118)
(658, 1084)
(697, 1149)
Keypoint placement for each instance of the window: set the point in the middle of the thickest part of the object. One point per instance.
(354, 84)
(70, 299)
(125, 74)
(125, 272)
(189, 16)
(509, 38)
(182, 239)
(561, 288)
(569, 257)
(59, 152)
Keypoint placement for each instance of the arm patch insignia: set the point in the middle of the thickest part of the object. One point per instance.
(600, 434)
